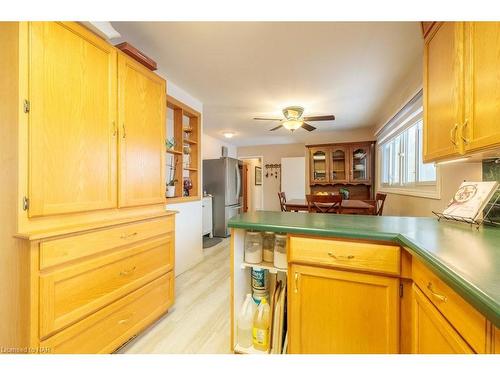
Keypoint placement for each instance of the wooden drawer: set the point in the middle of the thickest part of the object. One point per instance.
(113, 325)
(348, 255)
(71, 293)
(465, 319)
(75, 247)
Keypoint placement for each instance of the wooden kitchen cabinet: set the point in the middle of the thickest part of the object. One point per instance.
(481, 128)
(342, 165)
(431, 333)
(461, 89)
(72, 113)
(141, 119)
(334, 311)
(443, 90)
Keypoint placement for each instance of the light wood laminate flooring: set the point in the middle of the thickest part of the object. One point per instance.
(198, 322)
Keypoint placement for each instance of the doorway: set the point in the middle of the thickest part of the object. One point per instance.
(252, 183)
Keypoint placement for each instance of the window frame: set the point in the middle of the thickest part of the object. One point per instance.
(425, 189)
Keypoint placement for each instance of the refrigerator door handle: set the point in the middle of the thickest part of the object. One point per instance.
(238, 182)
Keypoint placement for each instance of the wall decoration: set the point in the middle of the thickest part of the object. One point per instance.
(258, 176)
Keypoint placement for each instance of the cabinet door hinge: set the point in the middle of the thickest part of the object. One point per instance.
(26, 203)
(401, 290)
(26, 106)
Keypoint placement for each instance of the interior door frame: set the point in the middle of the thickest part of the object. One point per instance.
(245, 198)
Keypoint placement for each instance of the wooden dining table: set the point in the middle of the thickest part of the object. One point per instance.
(351, 206)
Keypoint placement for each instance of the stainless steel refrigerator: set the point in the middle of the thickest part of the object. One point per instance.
(222, 179)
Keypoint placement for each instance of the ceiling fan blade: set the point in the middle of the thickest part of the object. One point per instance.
(319, 118)
(267, 119)
(276, 128)
(308, 127)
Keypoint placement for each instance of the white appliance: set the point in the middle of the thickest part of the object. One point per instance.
(293, 177)
(207, 216)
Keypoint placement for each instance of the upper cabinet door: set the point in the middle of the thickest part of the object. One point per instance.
(339, 164)
(141, 115)
(360, 163)
(319, 164)
(481, 127)
(72, 139)
(443, 90)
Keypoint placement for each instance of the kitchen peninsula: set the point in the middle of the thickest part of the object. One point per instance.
(369, 284)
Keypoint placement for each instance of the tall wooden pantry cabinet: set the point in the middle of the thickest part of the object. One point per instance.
(87, 246)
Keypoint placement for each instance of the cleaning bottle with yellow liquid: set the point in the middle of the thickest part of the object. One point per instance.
(261, 325)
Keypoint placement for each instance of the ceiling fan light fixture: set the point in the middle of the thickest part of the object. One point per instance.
(228, 134)
(292, 124)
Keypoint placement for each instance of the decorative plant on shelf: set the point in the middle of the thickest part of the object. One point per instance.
(171, 181)
(170, 143)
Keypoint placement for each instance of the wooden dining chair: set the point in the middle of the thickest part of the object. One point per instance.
(377, 203)
(331, 204)
(380, 200)
(282, 198)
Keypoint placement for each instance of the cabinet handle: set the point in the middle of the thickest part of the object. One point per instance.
(125, 236)
(453, 134)
(123, 321)
(124, 135)
(128, 272)
(340, 257)
(115, 130)
(437, 295)
(466, 141)
(296, 277)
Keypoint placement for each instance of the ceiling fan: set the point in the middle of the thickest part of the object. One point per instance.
(294, 119)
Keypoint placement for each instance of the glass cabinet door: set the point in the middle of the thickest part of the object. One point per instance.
(339, 166)
(319, 165)
(360, 166)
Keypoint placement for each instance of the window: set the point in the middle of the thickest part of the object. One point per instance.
(402, 159)
(400, 155)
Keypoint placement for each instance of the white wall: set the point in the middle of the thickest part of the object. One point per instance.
(188, 229)
(212, 148)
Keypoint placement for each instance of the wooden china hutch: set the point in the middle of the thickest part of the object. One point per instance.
(342, 165)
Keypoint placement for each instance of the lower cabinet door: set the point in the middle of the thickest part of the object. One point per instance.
(432, 334)
(332, 311)
(110, 327)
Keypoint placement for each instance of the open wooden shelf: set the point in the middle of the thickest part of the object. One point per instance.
(174, 152)
(183, 112)
(191, 198)
(240, 350)
(265, 266)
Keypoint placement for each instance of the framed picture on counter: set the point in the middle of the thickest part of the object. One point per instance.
(258, 176)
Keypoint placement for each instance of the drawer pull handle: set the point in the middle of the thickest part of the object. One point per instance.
(437, 295)
(125, 236)
(123, 321)
(128, 272)
(466, 141)
(340, 257)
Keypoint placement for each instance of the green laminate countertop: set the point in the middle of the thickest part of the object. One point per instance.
(465, 258)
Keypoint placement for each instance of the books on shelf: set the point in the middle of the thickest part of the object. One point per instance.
(470, 200)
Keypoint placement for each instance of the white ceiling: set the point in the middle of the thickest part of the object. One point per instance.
(240, 70)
